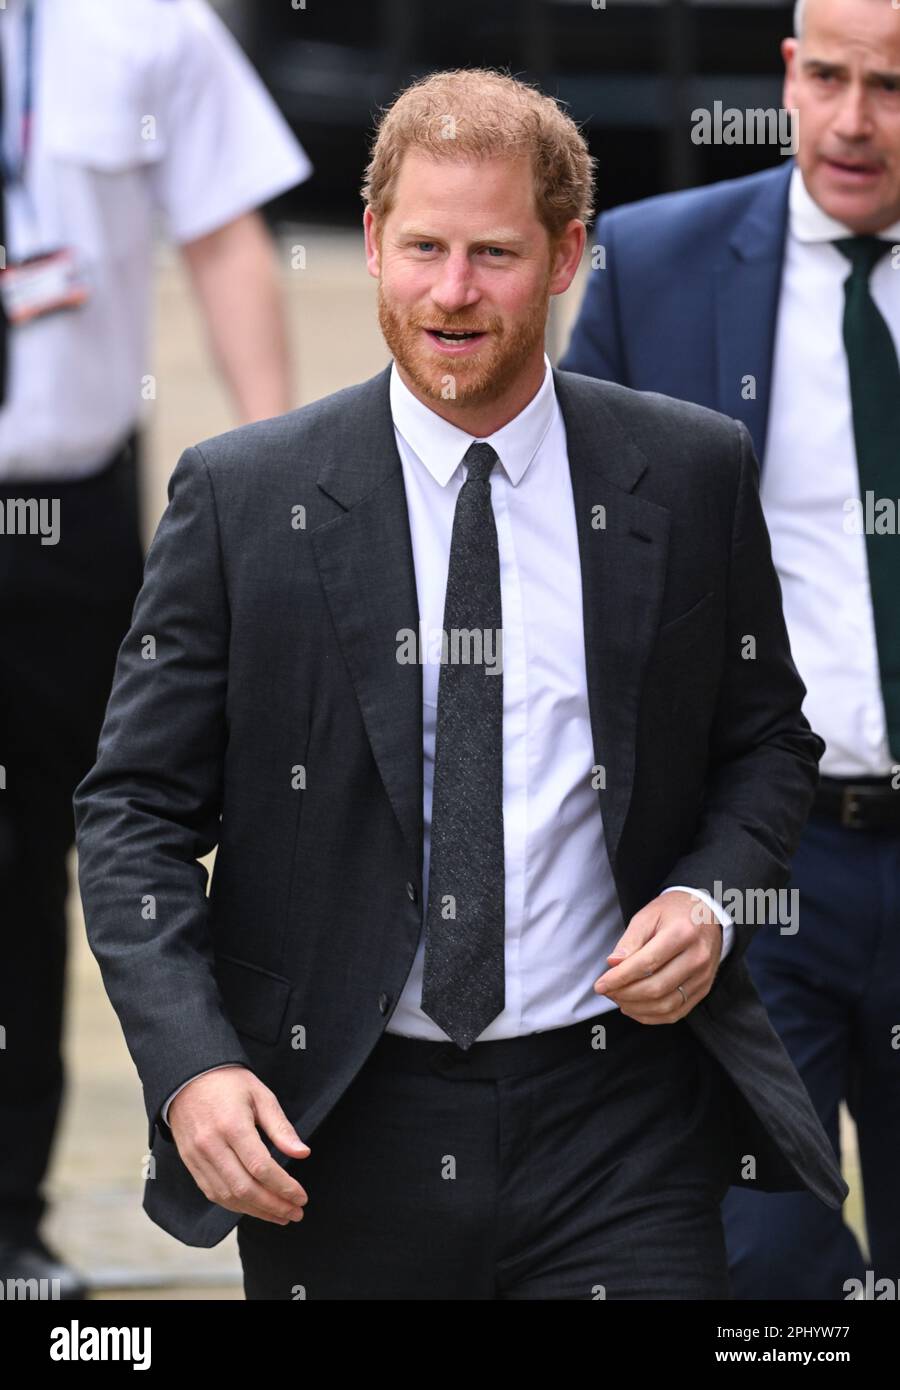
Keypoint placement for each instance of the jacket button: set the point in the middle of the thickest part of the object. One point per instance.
(383, 1001)
(411, 892)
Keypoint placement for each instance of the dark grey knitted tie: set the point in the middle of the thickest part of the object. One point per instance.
(463, 986)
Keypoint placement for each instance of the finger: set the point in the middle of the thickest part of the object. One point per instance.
(671, 1010)
(271, 1118)
(218, 1186)
(263, 1168)
(651, 1015)
(667, 943)
(669, 1005)
(662, 982)
(240, 1191)
(227, 1177)
(639, 931)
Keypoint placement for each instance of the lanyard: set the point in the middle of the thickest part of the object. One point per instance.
(15, 173)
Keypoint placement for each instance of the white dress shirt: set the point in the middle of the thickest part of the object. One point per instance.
(810, 473)
(562, 912)
(145, 111)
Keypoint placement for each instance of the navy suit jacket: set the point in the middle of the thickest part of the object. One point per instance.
(688, 300)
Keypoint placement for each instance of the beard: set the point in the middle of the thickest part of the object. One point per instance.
(484, 376)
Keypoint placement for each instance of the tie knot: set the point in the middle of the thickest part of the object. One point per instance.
(863, 252)
(479, 460)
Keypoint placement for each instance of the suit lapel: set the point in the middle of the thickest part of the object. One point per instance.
(365, 563)
(748, 282)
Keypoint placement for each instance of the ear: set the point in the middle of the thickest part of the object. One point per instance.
(789, 54)
(373, 251)
(565, 255)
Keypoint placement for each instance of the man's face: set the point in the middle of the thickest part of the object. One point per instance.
(843, 77)
(462, 251)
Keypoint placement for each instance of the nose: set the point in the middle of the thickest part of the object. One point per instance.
(853, 121)
(454, 288)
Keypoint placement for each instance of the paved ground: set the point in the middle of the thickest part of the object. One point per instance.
(95, 1180)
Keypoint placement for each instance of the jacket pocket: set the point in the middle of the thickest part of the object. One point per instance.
(255, 999)
(683, 628)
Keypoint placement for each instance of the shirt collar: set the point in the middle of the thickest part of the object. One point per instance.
(809, 222)
(440, 446)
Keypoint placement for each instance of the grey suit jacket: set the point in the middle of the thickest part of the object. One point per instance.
(258, 706)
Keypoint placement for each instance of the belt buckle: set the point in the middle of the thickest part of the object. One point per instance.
(851, 806)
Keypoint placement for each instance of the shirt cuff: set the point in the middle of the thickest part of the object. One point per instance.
(724, 917)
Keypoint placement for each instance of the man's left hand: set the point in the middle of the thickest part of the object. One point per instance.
(675, 940)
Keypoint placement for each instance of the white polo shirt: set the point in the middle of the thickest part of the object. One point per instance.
(147, 116)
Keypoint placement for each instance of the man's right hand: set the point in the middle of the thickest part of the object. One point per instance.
(214, 1124)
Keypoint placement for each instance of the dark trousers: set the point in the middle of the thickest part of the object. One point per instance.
(833, 993)
(508, 1173)
(64, 610)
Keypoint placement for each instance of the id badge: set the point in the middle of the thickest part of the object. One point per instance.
(42, 284)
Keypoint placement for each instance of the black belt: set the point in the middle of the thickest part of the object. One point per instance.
(499, 1057)
(859, 803)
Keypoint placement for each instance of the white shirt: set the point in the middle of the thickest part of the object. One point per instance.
(145, 111)
(562, 912)
(810, 472)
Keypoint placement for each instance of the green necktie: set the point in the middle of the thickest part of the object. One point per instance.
(875, 396)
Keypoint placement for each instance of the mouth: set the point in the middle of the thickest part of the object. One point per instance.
(856, 170)
(454, 342)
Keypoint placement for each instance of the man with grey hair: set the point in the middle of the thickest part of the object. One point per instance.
(776, 299)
